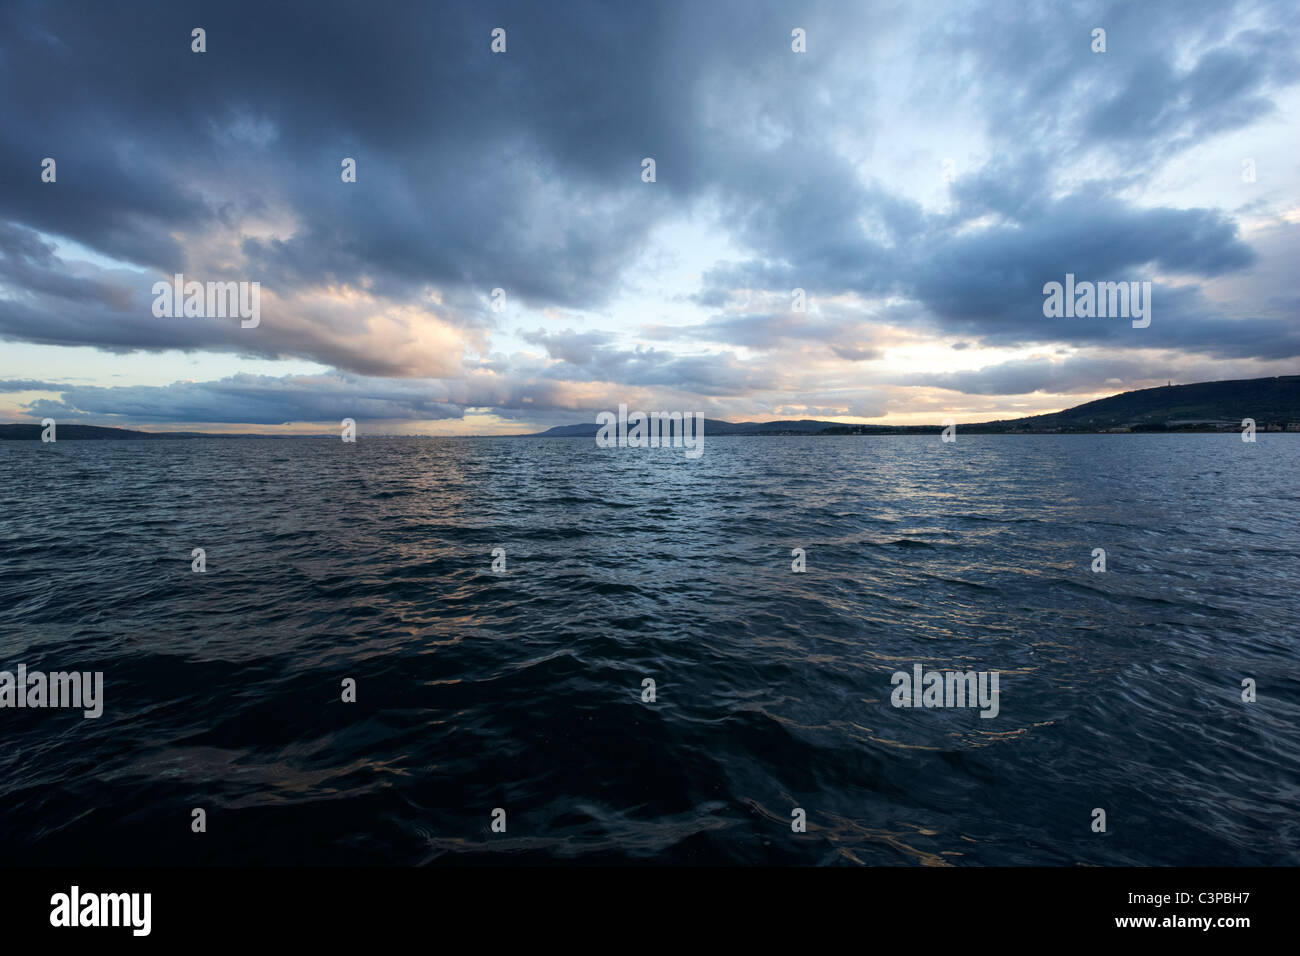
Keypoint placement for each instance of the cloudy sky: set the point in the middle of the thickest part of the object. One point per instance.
(920, 172)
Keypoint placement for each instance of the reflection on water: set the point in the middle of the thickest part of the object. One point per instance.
(522, 690)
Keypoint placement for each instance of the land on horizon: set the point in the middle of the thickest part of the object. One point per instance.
(1273, 403)
(508, 266)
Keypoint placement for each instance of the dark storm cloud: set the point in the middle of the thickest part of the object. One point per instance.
(988, 283)
(1032, 74)
(250, 399)
(1171, 74)
(522, 171)
(29, 263)
(584, 357)
(992, 280)
(1222, 91)
(806, 215)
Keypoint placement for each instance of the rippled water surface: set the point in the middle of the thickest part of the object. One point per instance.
(522, 690)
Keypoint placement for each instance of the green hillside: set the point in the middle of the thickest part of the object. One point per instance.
(1269, 401)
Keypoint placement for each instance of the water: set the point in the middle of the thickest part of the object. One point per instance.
(522, 690)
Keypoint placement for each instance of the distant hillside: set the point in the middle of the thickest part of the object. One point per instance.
(1274, 403)
(1205, 406)
(711, 427)
(71, 432)
(80, 433)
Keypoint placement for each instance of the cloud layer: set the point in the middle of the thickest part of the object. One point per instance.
(919, 173)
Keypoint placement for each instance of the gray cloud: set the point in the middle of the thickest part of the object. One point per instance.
(523, 171)
(26, 385)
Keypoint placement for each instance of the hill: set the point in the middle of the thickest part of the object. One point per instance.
(1204, 406)
(1199, 407)
(712, 426)
(80, 433)
(1274, 404)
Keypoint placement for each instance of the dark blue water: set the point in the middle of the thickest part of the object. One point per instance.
(522, 690)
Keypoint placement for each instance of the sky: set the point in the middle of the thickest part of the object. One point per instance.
(919, 170)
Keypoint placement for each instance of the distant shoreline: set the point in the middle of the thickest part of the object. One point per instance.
(1271, 404)
(64, 433)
